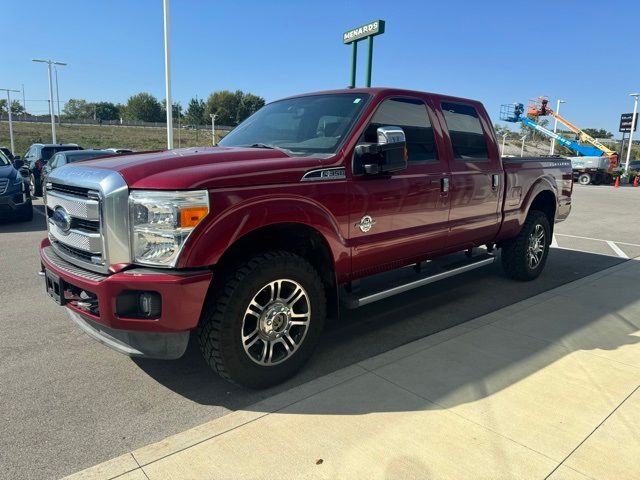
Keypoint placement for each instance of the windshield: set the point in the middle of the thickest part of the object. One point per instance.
(4, 161)
(302, 125)
(76, 157)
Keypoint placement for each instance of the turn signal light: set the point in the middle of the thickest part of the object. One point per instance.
(191, 216)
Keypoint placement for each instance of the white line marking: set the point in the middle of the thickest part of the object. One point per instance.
(616, 249)
(554, 242)
(586, 251)
(597, 239)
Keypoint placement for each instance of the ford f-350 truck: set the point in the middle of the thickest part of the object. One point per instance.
(303, 207)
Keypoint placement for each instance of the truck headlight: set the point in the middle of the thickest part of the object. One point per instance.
(161, 222)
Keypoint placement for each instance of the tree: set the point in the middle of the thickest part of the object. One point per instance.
(231, 107)
(143, 106)
(195, 112)
(16, 107)
(106, 111)
(502, 130)
(598, 133)
(77, 108)
(176, 110)
(249, 104)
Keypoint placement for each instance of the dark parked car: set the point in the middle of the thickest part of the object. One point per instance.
(36, 157)
(7, 152)
(15, 201)
(70, 156)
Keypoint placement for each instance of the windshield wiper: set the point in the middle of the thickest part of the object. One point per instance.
(261, 145)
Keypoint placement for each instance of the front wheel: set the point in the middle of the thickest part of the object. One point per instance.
(263, 324)
(524, 257)
(33, 189)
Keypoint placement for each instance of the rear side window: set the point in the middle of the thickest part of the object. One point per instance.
(465, 130)
(411, 116)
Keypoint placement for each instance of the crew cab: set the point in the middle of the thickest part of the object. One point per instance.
(314, 201)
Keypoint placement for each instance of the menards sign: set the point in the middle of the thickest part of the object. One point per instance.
(370, 29)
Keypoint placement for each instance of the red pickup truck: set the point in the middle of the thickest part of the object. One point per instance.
(303, 207)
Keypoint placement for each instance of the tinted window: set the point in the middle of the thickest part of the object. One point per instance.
(465, 130)
(47, 152)
(4, 160)
(411, 116)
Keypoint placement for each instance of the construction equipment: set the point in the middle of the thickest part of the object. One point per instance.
(597, 161)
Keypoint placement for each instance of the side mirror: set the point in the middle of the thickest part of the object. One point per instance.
(388, 155)
(18, 163)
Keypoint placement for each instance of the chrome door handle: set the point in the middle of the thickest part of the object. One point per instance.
(495, 181)
(444, 185)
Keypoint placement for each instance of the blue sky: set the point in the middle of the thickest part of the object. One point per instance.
(497, 52)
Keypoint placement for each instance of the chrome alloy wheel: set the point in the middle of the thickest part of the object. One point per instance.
(276, 322)
(536, 246)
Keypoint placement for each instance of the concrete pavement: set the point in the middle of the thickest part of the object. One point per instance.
(548, 387)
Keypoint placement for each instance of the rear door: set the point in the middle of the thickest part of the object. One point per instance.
(476, 174)
(400, 217)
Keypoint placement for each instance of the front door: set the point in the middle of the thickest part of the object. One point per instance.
(396, 219)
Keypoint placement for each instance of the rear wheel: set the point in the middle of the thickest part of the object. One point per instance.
(524, 257)
(584, 179)
(263, 324)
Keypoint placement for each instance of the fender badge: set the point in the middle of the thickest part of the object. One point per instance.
(366, 223)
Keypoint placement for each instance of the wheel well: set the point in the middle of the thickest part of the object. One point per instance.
(545, 202)
(296, 238)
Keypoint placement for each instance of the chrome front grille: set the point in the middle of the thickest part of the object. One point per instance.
(85, 219)
(61, 263)
(4, 183)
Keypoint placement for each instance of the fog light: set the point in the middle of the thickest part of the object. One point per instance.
(149, 304)
(139, 304)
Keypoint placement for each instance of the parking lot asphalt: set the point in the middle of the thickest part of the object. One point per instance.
(69, 403)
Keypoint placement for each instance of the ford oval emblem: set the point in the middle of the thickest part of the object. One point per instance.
(61, 219)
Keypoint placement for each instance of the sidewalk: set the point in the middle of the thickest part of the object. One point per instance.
(545, 388)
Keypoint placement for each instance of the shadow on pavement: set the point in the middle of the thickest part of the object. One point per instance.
(36, 225)
(388, 324)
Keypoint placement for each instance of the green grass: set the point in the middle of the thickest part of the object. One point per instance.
(95, 136)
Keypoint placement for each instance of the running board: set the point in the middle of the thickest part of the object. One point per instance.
(361, 297)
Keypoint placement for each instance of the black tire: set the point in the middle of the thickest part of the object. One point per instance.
(516, 252)
(584, 179)
(225, 316)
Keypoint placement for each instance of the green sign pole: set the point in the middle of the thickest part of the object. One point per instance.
(354, 61)
(367, 31)
(369, 61)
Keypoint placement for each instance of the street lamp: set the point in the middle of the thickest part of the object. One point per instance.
(53, 121)
(167, 76)
(555, 126)
(633, 127)
(522, 148)
(504, 138)
(213, 127)
(13, 148)
(55, 69)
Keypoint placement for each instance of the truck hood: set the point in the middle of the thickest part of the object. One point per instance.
(205, 167)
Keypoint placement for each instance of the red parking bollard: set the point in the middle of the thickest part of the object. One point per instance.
(635, 180)
(617, 183)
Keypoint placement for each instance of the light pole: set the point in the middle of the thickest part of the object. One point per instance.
(504, 139)
(213, 127)
(633, 126)
(555, 126)
(57, 94)
(522, 148)
(53, 120)
(167, 76)
(13, 148)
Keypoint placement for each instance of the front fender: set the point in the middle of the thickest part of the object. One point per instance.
(211, 241)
